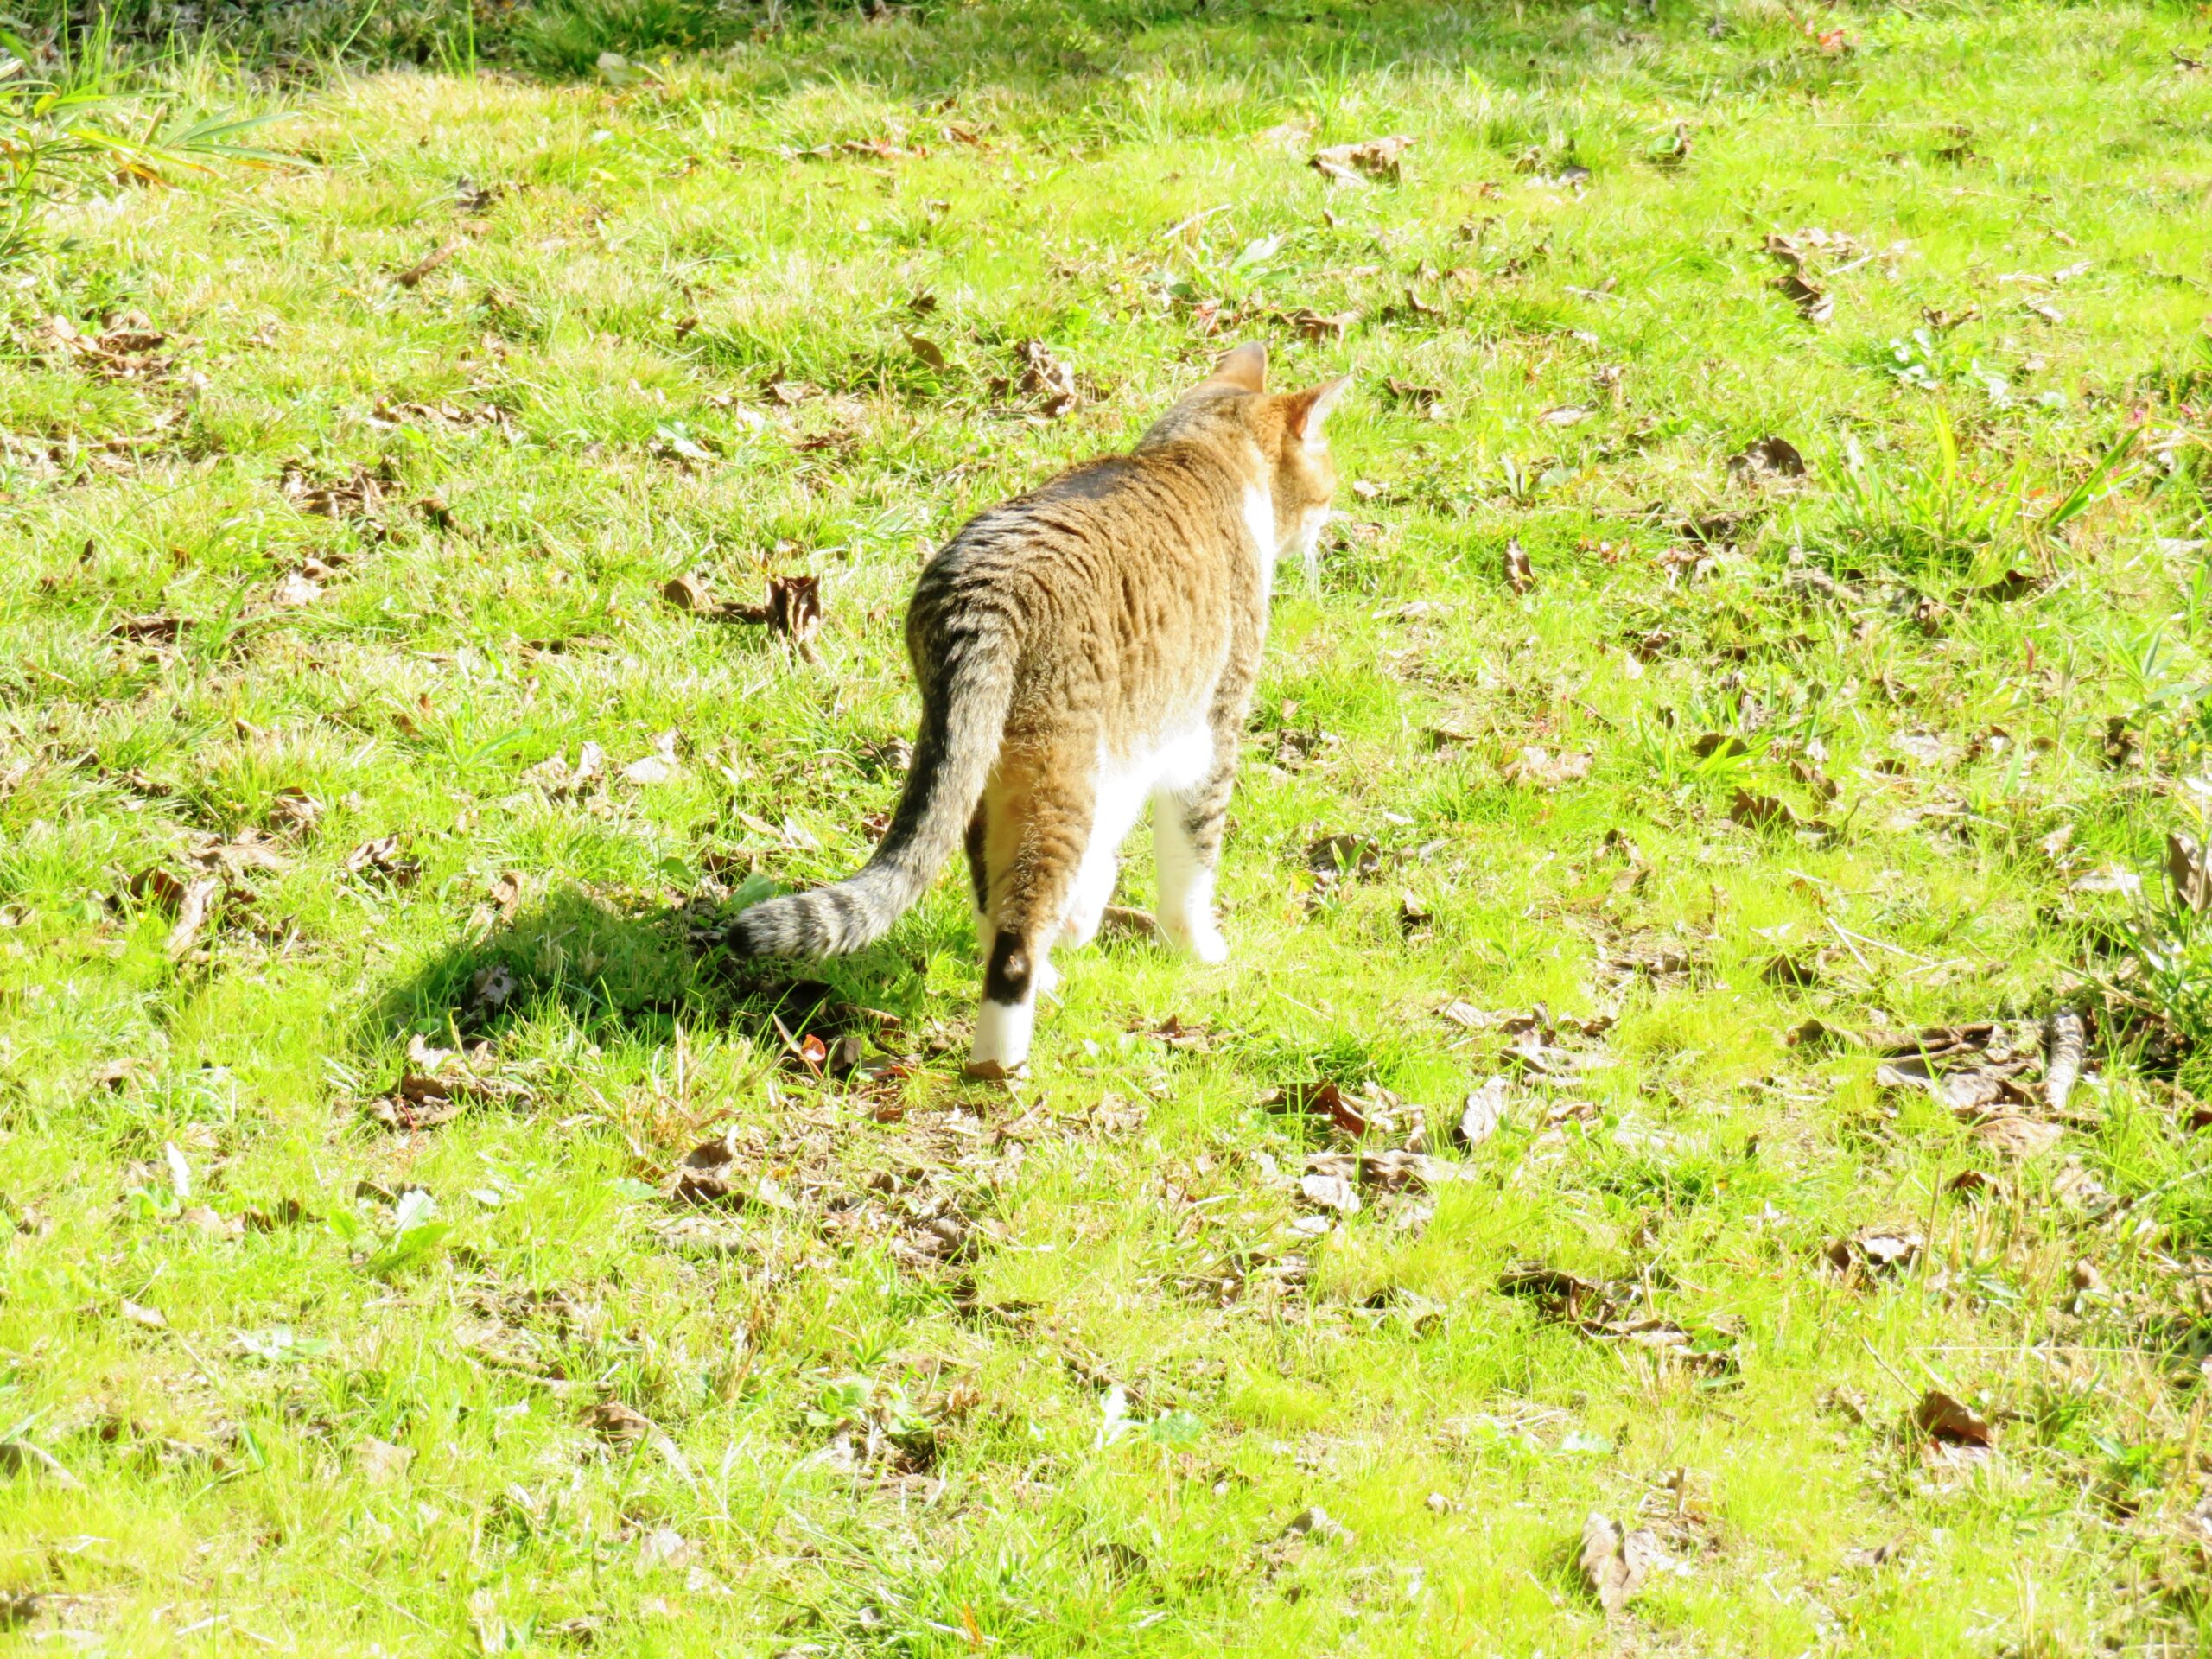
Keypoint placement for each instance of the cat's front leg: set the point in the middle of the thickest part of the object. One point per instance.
(1186, 850)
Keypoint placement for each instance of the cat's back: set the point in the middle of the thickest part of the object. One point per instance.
(1111, 525)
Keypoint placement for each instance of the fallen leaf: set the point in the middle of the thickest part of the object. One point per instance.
(1327, 1192)
(293, 812)
(1520, 576)
(1777, 457)
(1483, 1113)
(490, 989)
(689, 593)
(472, 199)
(1875, 1249)
(795, 610)
(1815, 303)
(21, 1457)
(1535, 767)
(1613, 1561)
(618, 1424)
(295, 590)
(1942, 1417)
(561, 781)
(147, 630)
(657, 766)
(192, 914)
(149, 1318)
(1323, 1100)
(1321, 328)
(927, 350)
(2017, 1136)
(1047, 377)
(1757, 811)
(1354, 163)
(383, 857)
(1341, 857)
(1317, 1522)
(2189, 872)
(2064, 1044)
(1565, 415)
(383, 1463)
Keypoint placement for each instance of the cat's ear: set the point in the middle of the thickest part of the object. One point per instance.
(1244, 367)
(1306, 411)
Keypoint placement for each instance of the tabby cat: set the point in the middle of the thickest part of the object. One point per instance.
(1082, 650)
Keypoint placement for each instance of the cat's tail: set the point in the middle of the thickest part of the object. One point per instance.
(967, 674)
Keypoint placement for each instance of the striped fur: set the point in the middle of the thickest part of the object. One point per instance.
(1083, 651)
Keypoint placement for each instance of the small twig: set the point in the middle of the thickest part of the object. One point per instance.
(429, 261)
(1882, 944)
(1895, 1377)
(1193, 221)
(1845, 939)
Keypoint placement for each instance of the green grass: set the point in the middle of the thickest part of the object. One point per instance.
(874, 1434)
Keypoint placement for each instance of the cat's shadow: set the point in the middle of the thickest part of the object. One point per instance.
(616, 971)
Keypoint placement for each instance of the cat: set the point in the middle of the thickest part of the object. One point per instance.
(1081, 650)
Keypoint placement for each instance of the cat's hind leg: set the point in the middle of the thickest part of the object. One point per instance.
(1039, 821)
(1119, 802)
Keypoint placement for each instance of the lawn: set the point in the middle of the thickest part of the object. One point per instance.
(1696, 1148)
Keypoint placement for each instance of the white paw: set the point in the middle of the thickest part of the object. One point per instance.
(1201, 938)
(1001, 1045)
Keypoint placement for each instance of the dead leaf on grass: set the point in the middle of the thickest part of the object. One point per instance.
(384, 857)
(1755, 811)
(1482, 1114)
(383, 1463)
(19, 1457)
(192, 910)
(1321, 1100)
(1520, 576)
(1355, 164)
(1815, 303)
(2017, 1136)
(2189, 872)
(1535, 767)
(794, 610)
(689, 592)
(293, 812)
(619, 1424)
(1768, 457)
(927, 352)
(2064, 1045)
(561, 782)
(1045, 376)
(1323, 329)
(658, 765)
(155, 630)
(296, 589)
(1950, 1423)
(1875, 1249)
(1343, 857)
(1613, 1560)
(1322, 1190)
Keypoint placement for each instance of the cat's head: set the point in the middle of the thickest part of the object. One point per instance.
(1233, 408)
